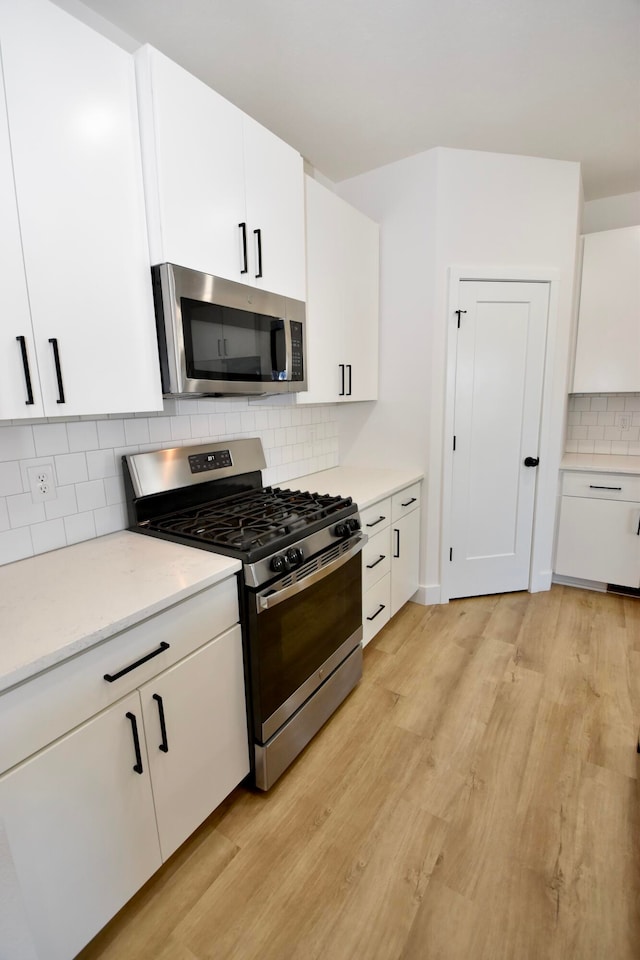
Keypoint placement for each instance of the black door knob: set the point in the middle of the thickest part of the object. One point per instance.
(531, 461)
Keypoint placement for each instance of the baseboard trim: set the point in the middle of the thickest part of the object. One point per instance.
(580, 584)
(428, 594)
(541, 581)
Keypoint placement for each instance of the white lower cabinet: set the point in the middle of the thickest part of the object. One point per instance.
(599, 529)
(390, 560)
(78, 836)
(87, 819)
(196, 729)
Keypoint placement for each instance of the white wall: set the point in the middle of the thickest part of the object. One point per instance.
(609, 213)
(443, 209)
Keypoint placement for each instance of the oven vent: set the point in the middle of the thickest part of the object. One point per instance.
(318, 562)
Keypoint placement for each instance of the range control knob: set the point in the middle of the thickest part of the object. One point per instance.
(341, 530)
(295, 557)
(353, 523)
(278, 564)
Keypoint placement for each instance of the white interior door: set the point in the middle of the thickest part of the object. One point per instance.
(498, 394)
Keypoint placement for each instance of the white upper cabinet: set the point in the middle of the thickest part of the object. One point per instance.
(224, 195)
(342, 300)
(608, 345)
(72, 118)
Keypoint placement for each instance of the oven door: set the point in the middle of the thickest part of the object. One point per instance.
(300, 630)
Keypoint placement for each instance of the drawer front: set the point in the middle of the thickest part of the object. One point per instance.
(376, 608)
(601, 486)
(376, 559)
(54, 702)
(376, 517)
(405, 501)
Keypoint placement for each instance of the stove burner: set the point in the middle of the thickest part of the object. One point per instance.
(251, 520)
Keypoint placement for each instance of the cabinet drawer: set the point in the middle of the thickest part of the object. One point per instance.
(601, 486)
(376, 604)
(376, 517)
(405, 501)
(376, 559)
(52, 703)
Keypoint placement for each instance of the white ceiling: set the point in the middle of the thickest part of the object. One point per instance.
(354, 84)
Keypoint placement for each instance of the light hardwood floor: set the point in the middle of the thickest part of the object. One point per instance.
(475, 798)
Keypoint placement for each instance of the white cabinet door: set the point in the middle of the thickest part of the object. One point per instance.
(196, 728)
(342, 300)
(77, 835)
(19, 384)
(599, 540)
(78, 177)
(405, 557)
(608, 344)
(275, 212)
(360, 303)
(194, 169)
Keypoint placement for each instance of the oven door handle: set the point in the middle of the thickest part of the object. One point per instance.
(267, 600)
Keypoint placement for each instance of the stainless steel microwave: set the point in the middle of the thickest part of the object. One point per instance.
(220, 338)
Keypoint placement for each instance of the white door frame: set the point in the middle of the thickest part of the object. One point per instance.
(549, 275)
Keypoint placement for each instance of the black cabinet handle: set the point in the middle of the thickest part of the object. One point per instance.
(375, 563)
(638, 530)
(136, 741)
(341, 365)
(397, 550)
(349, 369)
(27, 374)
(531, 461)
(110, 677)
(376, 522)
(164, 746)
(379, 610)
(56, 359)
(409, 502)
(243, 228)
(258, 235)
(595, 486)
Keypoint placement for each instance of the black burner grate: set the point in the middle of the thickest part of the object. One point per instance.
(251, 520)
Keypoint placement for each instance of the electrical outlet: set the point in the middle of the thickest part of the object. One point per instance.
(42, 482)
(623, 420)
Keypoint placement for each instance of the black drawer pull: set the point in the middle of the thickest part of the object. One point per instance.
(409, 502)
(595, 486)
(375, 563)
(27, 374)
(110, 677)
(136, 741)
(379, 610)
(164, 746)
(376, 522)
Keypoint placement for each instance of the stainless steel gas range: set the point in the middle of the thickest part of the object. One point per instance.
(300, 587)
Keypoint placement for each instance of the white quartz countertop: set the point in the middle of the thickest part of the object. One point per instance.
(363, 484)
(57, 604)
(600, 463)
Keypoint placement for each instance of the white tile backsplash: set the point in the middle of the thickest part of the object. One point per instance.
(86, 454)
(594, 424)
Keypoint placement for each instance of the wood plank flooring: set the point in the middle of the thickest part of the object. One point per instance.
(475, 798)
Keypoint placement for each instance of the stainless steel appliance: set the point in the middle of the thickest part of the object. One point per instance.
(300, 588)
(220, 338)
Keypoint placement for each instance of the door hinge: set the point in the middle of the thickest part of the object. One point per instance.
(454, 441)
(458, 313)
(450, 553)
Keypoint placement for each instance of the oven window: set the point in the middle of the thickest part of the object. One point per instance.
(224, 343)
(293, 639)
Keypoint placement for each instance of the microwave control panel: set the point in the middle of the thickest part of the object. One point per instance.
(215, 460)
(297, 371)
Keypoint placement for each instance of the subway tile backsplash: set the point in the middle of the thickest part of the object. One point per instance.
(85, 454)
(604, 423)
